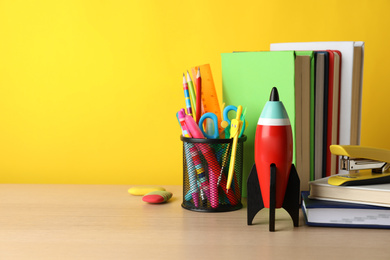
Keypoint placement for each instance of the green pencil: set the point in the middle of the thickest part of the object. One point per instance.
(192, 94)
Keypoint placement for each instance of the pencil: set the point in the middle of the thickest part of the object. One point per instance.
(187, 96)
(235, 128)
(199, 95)
(192, 94)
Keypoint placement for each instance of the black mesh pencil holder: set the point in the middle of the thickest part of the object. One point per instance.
(205, 174)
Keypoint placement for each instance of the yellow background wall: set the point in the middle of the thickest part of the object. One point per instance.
(89, 89)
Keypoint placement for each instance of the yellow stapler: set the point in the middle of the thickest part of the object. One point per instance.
(356, 158)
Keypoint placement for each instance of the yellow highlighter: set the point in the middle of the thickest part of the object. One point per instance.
(234, 133)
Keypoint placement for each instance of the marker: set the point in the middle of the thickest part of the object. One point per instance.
(273, 145)
(181, 118)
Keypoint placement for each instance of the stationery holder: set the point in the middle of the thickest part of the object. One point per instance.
(205, 173)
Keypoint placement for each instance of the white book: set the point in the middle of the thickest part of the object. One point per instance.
(376, 194)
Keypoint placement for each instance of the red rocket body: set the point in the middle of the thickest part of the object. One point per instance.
(273, 145)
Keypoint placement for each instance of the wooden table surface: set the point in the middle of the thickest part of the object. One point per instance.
(105, 222)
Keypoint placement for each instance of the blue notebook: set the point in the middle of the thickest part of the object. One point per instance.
(340, 214)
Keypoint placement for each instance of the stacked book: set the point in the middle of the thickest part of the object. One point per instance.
(320, 85)
(366, 206)
(328, 87)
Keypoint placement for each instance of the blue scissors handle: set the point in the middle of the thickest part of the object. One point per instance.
(226, 118)
(214, 118)
(226, 112)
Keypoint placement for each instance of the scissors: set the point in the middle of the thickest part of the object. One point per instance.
(214, 119)
(226, 121)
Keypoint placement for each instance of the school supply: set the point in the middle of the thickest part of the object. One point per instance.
(209, 98)
(203, 175)
(226, 120)
(199, 96)
(224, 162)
(184, 129)
(303, 119)
(235, 129)
(193, 127)
(341, 214)
(144, 189)
(361, 158)
(248, 76)
(187, 96)
(321, 113)
(157, 197)
(377, 194)
(192, 178)
(200, 172)
(350, 82)
(333, 137)
(306, 73)
(192, 93)
(214, 119)
(211, 154)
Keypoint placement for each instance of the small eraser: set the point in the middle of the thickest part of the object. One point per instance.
(142, 190)
(157, 197)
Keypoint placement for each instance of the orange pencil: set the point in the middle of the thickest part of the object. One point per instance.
(198, 95)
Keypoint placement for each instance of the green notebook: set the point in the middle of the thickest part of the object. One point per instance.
(247, 80)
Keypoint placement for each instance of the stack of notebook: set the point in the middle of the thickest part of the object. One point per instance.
(366, 206)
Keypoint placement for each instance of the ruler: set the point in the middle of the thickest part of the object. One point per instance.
(208, 94)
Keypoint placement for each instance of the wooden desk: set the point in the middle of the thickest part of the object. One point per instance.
(105, 222)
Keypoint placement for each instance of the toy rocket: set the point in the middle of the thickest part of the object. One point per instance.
(273, 181)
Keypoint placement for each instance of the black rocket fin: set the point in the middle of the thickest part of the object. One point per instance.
(254, 197)
(291, 198)
(272, 197)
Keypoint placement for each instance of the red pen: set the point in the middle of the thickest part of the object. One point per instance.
(198, 95)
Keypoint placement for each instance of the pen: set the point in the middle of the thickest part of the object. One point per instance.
(187, 96)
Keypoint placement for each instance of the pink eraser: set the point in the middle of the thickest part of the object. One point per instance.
(157, 197)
